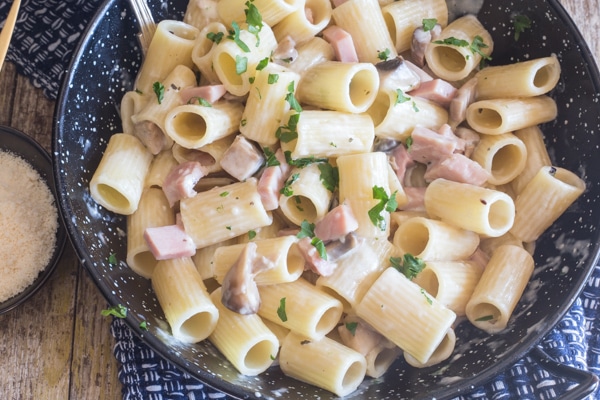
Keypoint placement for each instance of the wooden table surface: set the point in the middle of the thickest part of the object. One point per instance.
(57, 345)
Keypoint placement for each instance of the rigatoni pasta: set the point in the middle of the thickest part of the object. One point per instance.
(367, 222)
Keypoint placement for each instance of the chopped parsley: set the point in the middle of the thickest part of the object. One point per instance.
(272, 160)
(452, 41)
(241, 64)
(400, 97)
(485, 318)
(262, 64)
(351, 326)
(520, 23)
(289, 132)
(408, 142)
(477, 45)
(281, 310)
(409, 265)
(144, 325)
(224, 194)
(112, 259)
(329, 176)
(251, 234)
(159, 90)
(234, 34)
(307, 229)
(272, 78)
(118, 311)
(427, 298)
(383, 55)
(215, 37)
(291, 99)
(303, 161)
(202, 101)
(429, 24)
(320, 246)
(386, 203)
(254, 20)
(286, 190)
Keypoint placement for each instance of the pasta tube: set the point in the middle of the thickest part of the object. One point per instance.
(153, 211)
(405, 314)
(304, 196)
(204, 50)
(485, 211)
(433, 240)
(521, 79)
(118, 182)
(395, 115)
(497, 116)
(364, 21)
(324, 363)
(300, 307)
(184, 299)
(459, 49)
(500, 287)
(404, 16)
(223, 212)
(504, 156)
(243, 339)
(171, 46)
(546, 197)
(282, 252)
(443, 351)
(271, 11)
(537, 156)
(322, 133)
(299, 26)
(333, 85)
(194, 125)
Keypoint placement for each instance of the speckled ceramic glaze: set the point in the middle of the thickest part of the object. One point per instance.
(104, 68)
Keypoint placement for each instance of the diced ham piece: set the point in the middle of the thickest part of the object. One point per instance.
(342, 43)
(438, 90)
(194, 94)
(308, 12)
(313, 258)
(428, 145)
(479, 258)
(400, 160)
(151, 136)
(362, 339)
(242, 159)
(269, 184)
(457, 168)
(167, 242)
(420, 40)
(416, 199)
(336, 224)
(179, 183)
(395, 74)
(240, 292)
(465, 95)
(470, 137)
(447, 131)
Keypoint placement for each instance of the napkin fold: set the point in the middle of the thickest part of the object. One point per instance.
(45, 38)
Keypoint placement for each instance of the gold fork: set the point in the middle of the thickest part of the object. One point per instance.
(7, 30)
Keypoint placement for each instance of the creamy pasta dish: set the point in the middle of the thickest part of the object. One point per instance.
(311, 195)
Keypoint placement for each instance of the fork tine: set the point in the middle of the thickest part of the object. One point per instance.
(7, 30)
(145, 21)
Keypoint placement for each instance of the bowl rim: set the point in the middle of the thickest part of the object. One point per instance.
(61, 234)
(460, 387)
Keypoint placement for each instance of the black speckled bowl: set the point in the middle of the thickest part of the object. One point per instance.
(104, 67)
(19, 144)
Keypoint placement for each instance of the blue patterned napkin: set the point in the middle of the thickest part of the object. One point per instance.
(45, 38)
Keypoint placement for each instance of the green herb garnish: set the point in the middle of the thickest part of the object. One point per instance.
(429, 24)
(400, 97)
(409, 265)
(159, 90)
(215, 37)
(329, 177)
(234, 34)
(118, 311)
(386, 203)
(286, 190)
(520, 23)
(383, 55)
(351, 326)
(281, 310)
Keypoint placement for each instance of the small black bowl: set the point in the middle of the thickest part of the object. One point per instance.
(19, 144)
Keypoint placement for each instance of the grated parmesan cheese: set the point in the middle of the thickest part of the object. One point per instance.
(28, 225)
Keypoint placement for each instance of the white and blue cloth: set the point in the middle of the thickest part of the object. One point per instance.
(46, 36)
